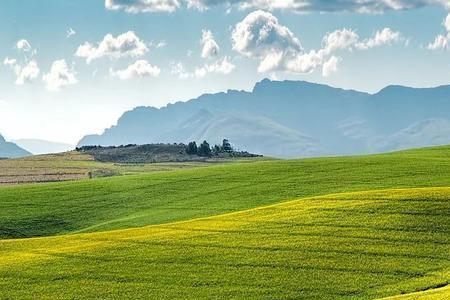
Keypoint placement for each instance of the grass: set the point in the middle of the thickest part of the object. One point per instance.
(75, 166)
(140, 200)
(432, 294)
(362, 245)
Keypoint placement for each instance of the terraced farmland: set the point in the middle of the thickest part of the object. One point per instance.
(76, 165)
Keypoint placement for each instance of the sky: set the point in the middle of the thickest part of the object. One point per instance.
(71, 68)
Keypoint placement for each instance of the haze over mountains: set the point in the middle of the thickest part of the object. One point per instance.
(37, 146)
(11, 150)
(294, 119)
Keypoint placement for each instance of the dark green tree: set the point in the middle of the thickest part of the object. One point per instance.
(204, 149)
(227, 146)
(216, 150)
(192, 148)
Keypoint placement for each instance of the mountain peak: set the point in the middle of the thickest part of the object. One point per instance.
(291, 85)
(268, 83)
(394, 89)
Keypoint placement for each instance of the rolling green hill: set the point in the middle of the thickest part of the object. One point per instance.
(139, 200)
(363, 245)
(364, 227)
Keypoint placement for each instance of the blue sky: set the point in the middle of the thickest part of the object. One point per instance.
(76, 97)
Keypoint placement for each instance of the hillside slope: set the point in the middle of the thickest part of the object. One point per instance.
(139, 200)
(361, 245)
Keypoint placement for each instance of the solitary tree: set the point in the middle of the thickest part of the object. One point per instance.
(192, 148)
(204, 149)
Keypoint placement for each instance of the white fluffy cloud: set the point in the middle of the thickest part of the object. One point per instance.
(442, 41)
(339, 40)
(140, 68)
(262, 37)
(260, 34)
(221, 66)
(125, 44)
(27, 70)
(23, 45)
(447, 23)
(136, 6)
(382, 37)
(180, 71)
(330, 66)
(59, 76)
(26, 73)
(210, 48)
(303, 62)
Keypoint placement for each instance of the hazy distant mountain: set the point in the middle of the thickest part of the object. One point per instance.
(37, 146)
(430, 132)
(11, 150)
(294, 119)
(255, 134)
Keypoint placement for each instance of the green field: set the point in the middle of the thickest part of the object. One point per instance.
(361, 245)
(331, 228)
(139, 200)
(75, 165)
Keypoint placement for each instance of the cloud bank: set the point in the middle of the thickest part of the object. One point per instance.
(136, 6)
(300, 6)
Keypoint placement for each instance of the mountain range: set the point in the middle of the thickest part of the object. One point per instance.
(11, 150)
(294, 119)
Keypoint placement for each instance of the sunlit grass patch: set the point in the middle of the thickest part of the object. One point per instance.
(362, 245)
